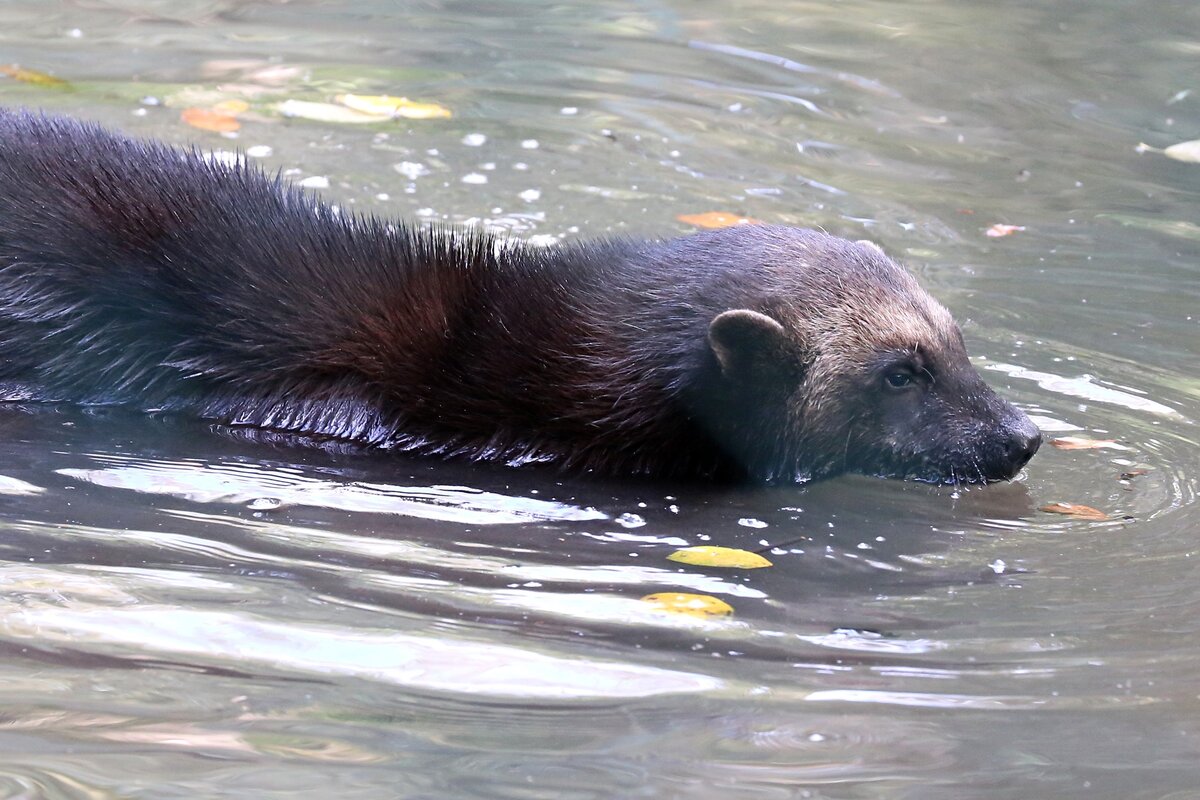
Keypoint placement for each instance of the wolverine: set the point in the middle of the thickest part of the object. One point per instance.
(140, 275)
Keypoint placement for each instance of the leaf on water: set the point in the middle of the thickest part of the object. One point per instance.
(1075, 510)
(327, 112)
(711, 556)
(716, 219)
(1000, 229)
(1083, 443)
(388, 106)
(692, 605)
(32, 76)
(1184, 151)
(207, 119)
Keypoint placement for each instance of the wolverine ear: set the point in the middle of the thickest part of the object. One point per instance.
(745, 341)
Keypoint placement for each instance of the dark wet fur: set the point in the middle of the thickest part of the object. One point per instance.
(136, 274)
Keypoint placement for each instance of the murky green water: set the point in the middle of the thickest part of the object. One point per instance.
(183, 615)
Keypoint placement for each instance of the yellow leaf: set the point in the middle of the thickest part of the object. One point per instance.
(1075, 510)
(716, 219)
(231, 107)
(709, 556)
(1184, 151)
(32, 76)
(693, 605)
(208, 120)
(386, 105)
(326, 112)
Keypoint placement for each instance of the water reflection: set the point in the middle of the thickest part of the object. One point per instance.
(431, 662)
(1085, 388)
(264, 488)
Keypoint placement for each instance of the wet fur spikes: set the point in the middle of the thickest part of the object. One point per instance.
(137, 274)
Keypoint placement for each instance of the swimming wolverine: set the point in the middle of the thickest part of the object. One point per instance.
(137, 274)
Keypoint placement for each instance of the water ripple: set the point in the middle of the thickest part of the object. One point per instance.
(242, 484)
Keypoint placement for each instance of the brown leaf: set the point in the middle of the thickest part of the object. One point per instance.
(1083, 443)
(206, 119)
(1075, 510)
(716, 219)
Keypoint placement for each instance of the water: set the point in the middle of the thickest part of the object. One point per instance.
(187, 614)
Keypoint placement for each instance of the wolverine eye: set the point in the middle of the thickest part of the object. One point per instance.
(898, 379)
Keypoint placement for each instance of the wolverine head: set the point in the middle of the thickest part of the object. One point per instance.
(837, 361)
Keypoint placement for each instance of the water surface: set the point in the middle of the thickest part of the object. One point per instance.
(186, 614)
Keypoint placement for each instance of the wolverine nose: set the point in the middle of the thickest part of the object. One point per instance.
(1022, 443)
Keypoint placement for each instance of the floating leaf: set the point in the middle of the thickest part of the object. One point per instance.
(716, 219)
(326, 112)
(693, 605)
(1075, 510)
(1082, 443)
(276, 75)
(711, 556)
(207, 119)
(1000, 229)
(1184, 151)
(32, 76)
(388, 106)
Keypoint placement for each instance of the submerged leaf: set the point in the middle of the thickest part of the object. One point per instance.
(1075, 510)
(1179, 228)
(231, 107)
(326, 112)
(711, 556)
(1083, 443)
(693, 605)
(1184, 151)
(716, 219)
(32, 76)
(207, 119)
(386, 105)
